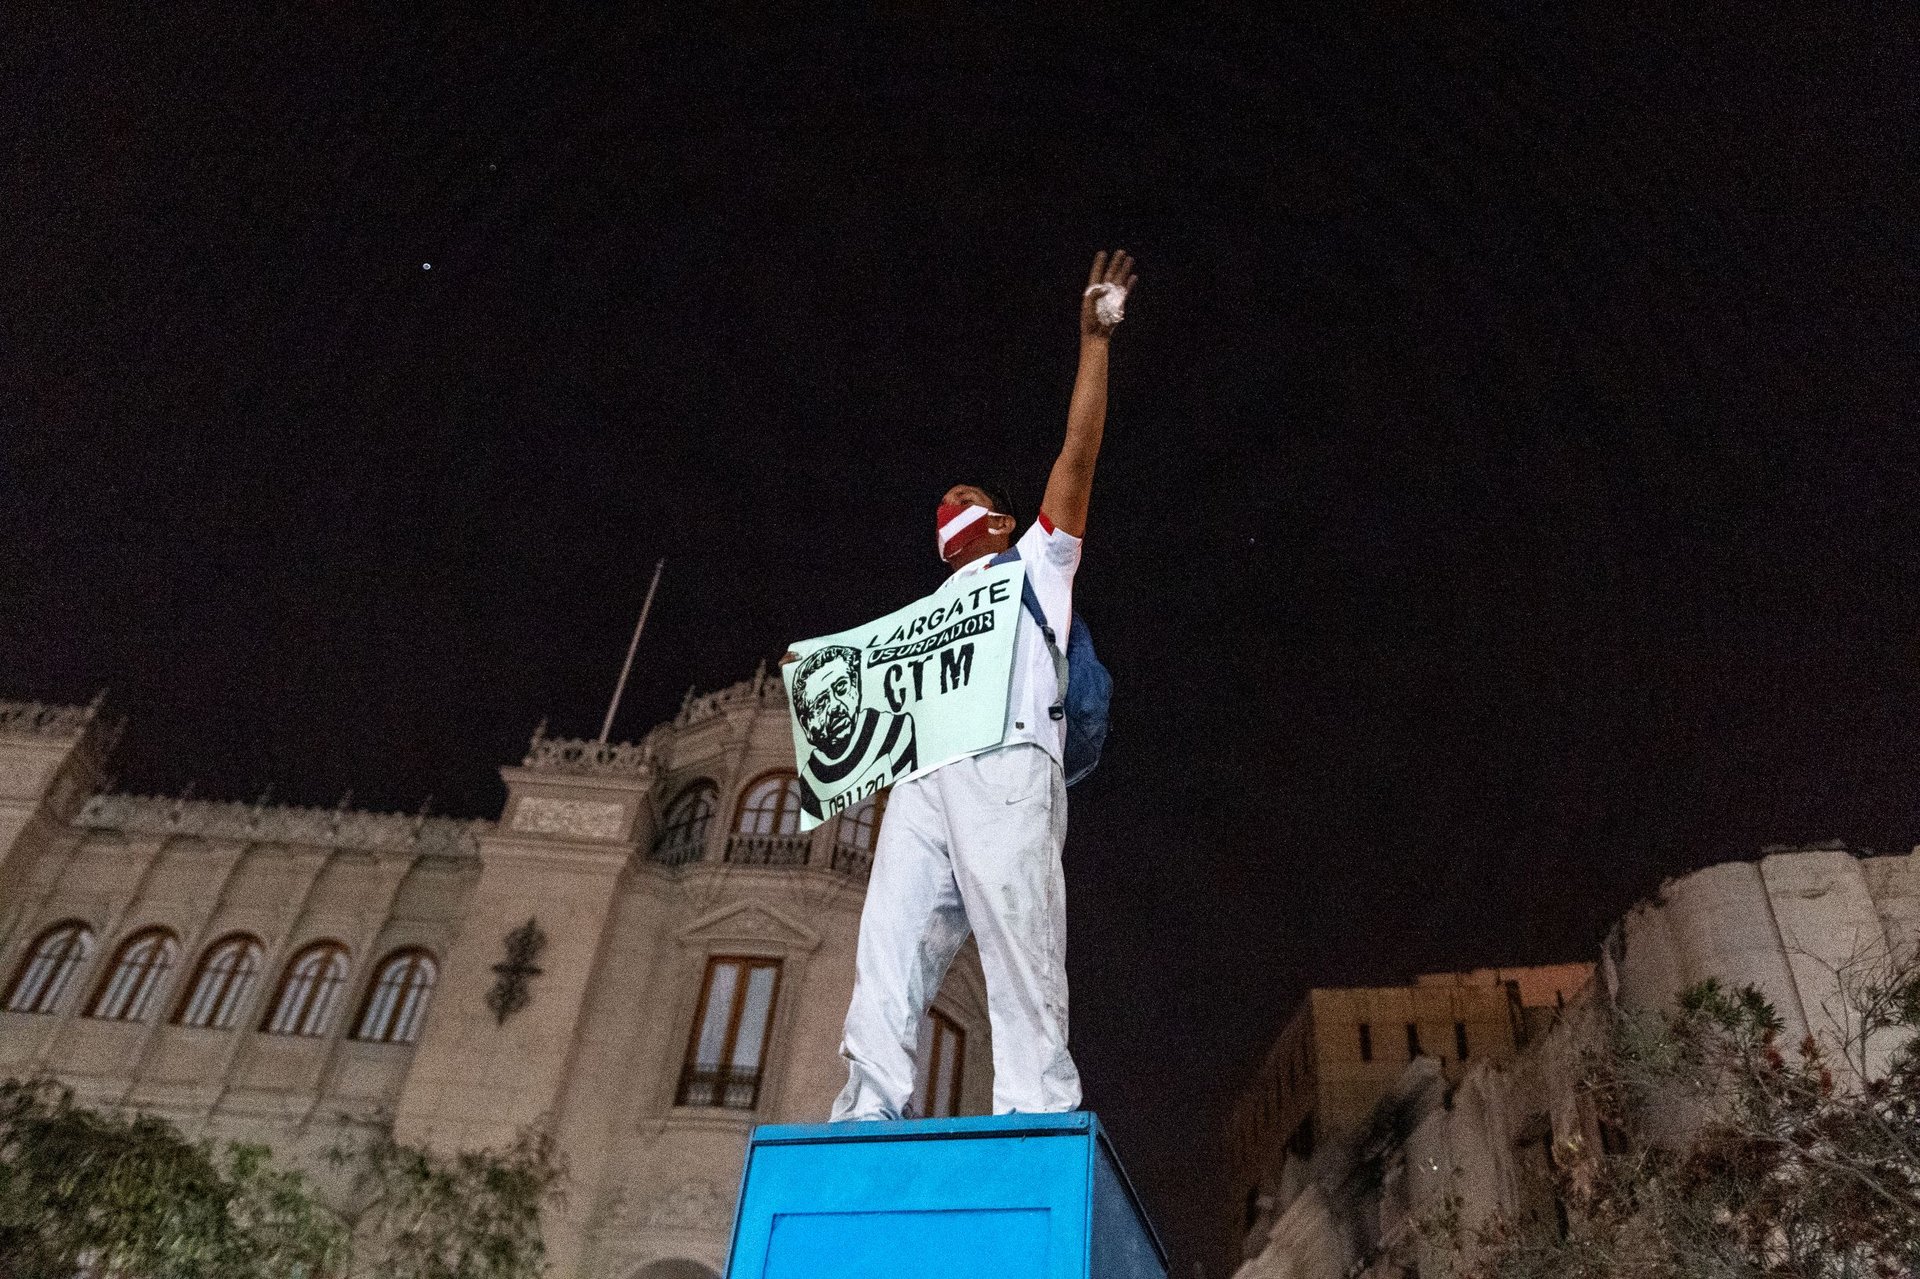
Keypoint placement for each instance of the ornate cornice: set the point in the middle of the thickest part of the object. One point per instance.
(284, 824)
(41, 719)
(765, 686)
(581, 757)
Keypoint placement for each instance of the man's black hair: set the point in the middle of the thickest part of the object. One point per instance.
(1001, 498)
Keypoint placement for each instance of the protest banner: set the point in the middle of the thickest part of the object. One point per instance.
(902, 695)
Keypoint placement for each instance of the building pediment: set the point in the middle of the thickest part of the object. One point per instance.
(749, 921)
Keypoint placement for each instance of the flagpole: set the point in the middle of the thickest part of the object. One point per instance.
(606, 725)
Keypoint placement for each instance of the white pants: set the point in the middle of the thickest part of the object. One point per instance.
(974, 843)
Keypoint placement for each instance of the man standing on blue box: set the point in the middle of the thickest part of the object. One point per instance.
(975, 845)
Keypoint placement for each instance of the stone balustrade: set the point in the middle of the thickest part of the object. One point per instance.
(769, 850)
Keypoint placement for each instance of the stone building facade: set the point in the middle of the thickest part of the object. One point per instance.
(641, 954)
(1344, 1049)
(1482, 1138)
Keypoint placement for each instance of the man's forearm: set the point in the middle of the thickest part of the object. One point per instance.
(1070, 485)
(1087, 411)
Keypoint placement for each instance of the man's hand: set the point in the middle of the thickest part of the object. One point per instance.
(1118, 272)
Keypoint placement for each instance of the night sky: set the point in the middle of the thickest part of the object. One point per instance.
(1511, 493)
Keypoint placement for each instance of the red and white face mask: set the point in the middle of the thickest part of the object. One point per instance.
(961, 526)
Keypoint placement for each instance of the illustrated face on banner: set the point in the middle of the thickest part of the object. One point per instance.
(826, 698)
(905, 693)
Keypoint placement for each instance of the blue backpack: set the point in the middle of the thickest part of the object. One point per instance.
(1088, 686)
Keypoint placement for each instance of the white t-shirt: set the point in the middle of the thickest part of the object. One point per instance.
(1051, 557)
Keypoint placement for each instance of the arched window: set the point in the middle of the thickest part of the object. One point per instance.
(397, 1002)
(49, 967)
(771, 806)
(685, 829)
(308, 991)
(860, 826)
(131, 988)
(224, 983)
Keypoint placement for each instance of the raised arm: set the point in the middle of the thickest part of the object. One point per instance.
(1070, 485)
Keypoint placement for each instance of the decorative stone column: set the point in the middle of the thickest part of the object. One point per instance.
(499, 1038)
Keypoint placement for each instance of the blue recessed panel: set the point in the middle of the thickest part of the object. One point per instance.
(1001, 1197)
(907, 1245)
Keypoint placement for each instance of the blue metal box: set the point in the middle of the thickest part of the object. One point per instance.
(1001, 1197)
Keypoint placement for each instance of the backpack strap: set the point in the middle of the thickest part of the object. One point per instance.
(1032, 603)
